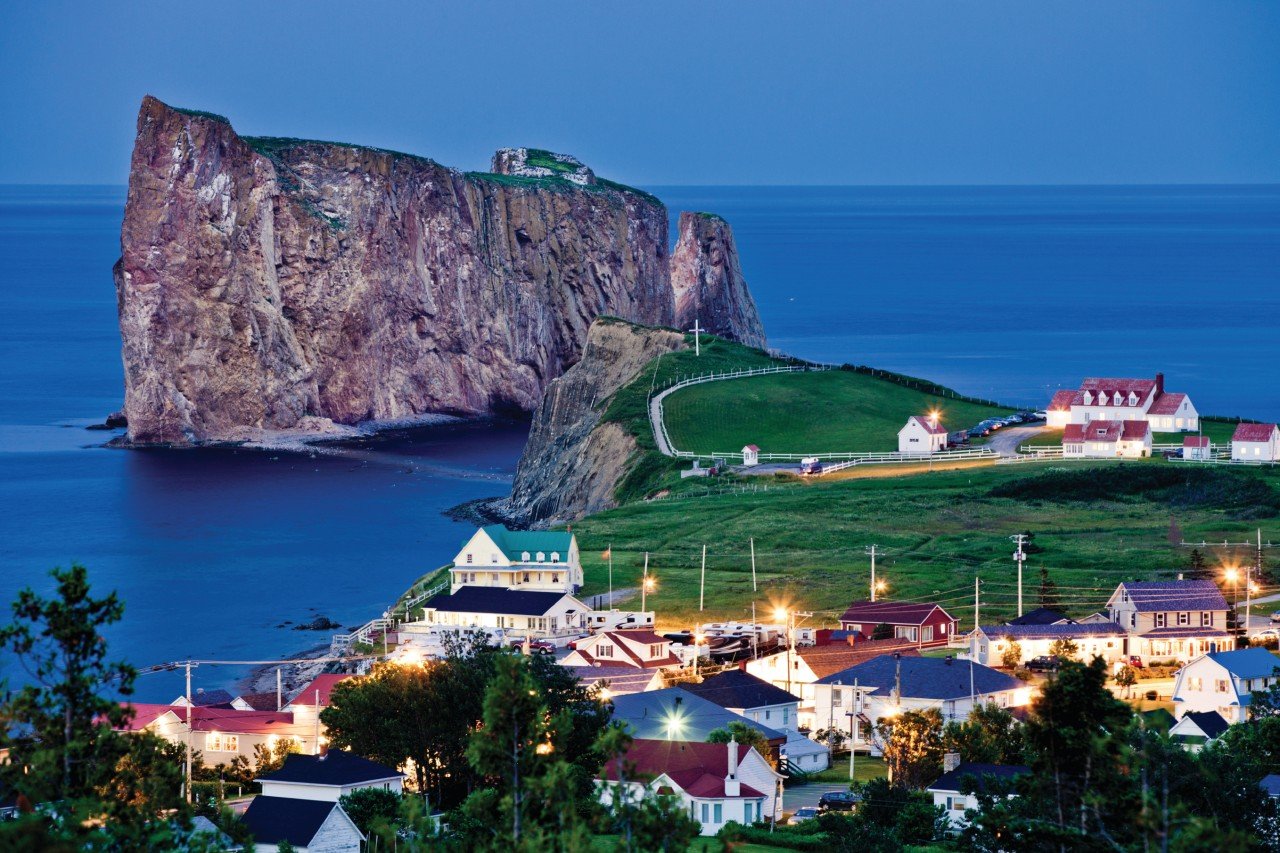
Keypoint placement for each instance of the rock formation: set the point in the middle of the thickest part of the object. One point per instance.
(271, 284)
(572, 463)
(707, 279)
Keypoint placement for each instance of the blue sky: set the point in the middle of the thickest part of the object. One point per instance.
(894, 92)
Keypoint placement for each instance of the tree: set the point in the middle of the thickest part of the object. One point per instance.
(833, 737)
(744, 734)
(883, 631)
(1048, 591)
(369, 807)
(1064, 649)
(269, 758)
(1126, 678)
(990, 735)
(913, 747)
(1199, 567)
(1012, 655)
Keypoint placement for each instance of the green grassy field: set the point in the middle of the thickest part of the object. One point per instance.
(936, 532)
(831, 411)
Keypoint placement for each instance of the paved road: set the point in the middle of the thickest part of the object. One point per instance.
(1006, 441)
(807, 795)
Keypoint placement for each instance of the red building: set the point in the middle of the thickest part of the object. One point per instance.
(923, 624)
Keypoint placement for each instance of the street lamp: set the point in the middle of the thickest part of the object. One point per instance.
(881, 586)
(646, 586)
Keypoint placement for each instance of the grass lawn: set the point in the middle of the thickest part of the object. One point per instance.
(865, 768)
(828, 412)
(936, 532)
(1218, 432)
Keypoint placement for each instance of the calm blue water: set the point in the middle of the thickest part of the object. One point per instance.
(998, 292)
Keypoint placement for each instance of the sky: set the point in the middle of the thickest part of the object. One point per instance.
(661, 93)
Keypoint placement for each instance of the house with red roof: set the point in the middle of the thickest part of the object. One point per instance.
(922, 435)
(1256, 443)
(716, 782)
(638, 649)
(924, 625)
(307, 704)
(221, 734)
(1108, 399)
(1197, 447)
(1129, 439)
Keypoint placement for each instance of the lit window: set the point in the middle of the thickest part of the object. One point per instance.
(218, 742)
(542, 557)
(1221, 685)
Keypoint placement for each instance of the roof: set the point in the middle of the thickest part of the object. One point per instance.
(275, 819)
(825, 660)
(621, 679)
(146, 713)
(734, 688)
(926, 678)
(324, 683)
(698, 768)
(639, 636)
(1097, 384)
(752, 448)
(1103, 430)
(492, 599)
(1166, 404)
(1039, 616)
(1073, 434)
(206, 698)
(1271, 784)
(1135, 430)
(952, 780)
(674, 711)
(235, 721)
(1210, 723)
(1195, 441)
(928, 426)
(1069, 629)
(1061, 401)
(1255, 662)
(259, 701)
(513, 543)
(1185, 631)
(336, 767)
(1153, 596)
(1254, 432)
(891, 612)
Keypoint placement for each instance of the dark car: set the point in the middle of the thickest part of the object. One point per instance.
(838, 801)
(1043, 663)
(536, 647)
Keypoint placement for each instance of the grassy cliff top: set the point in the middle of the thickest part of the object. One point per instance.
(273, 145)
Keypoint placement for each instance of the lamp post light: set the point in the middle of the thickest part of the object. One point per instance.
(1232, 575)
(646, 587)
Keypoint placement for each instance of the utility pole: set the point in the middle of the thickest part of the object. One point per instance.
(976, 584)
(1019, 557)
(644, 584)
(753, 566)
(697, 339)
(610, 549)
(872, 552)
(279, 690)
(702, 588)
(318, 715)
(186, 788)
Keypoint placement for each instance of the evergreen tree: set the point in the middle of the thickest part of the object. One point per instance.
(1049, 591)
(1199, 567)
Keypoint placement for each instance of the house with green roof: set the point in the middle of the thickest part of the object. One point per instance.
(531, 560)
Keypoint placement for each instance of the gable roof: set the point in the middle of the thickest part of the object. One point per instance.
(752, 448)
(336, 767)
(952, 780)
(1195, 441)
(698, 768)
(674, 712)
(1135, 430)
(1253, 432)
(513, 543)
(926, 678)
(1039, 616)
(1061, 401)
(1153, 596)
(621, 640)
(324, 683)
(735, 688)
(275, 819)
(621, 680)
(1271, 784)
(1166, 404)
(825, 660)
(205, 698)
(1254, 662)
(258, 701)
(1073, 433)
(1103, 431)
(1054, 631)
(891, 612)
(493, 599)
(1210, 723)
(1109, 386)
(146, 713)
(931, 428)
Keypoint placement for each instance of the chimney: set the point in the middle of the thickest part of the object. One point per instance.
(1159, 384)
(950, 761)
(732, 787)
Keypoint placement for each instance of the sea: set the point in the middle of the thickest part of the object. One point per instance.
(1006, 293)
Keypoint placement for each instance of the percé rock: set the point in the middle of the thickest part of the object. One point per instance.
(706, 276)
(270, 285)
(572, 463)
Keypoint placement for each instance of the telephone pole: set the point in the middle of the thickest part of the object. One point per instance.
(976, 585)
(702, 589)
(872, 552)
(753, 564)
(186, 787)
(1019, 557)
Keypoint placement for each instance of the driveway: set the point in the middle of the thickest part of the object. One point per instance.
(797, 796)
(1005, 441)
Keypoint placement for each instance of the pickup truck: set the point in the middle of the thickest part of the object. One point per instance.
(536, 647)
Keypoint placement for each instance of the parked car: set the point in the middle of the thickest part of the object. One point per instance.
(1135, 662)
(1275, 617)
(1266, 634)
(1040, 415)
(536, 647)
(802, 814)
(838, 801)
(1043, 663)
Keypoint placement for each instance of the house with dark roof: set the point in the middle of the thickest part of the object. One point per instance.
(515, 612)
(1256, 443)
(641, 649)
(989, 644)
(949, 789)
(1225, 682)
(613, 681)
(309, 826)
(857, 698)
(716, 782)
(328, 776)
(926, 625)
(266, 701)
(1040, 616)
(921, 436)
(494, 556)
(675, 713)
(1108, 399)
(205, 699)
(1171, 619)
(1197, 729)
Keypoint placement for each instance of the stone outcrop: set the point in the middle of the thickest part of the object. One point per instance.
(573, 463)
(706, 276)
(273, 285)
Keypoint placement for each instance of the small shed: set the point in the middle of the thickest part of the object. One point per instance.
(750, 456)
(1196, 447)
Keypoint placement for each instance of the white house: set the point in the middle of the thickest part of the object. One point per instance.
(1171, 619)
(309, 826)
(1098, 439)
(750, 456)
(717, 782)
(922, 436)
(1104, 399)
(221, 735)
(329, 776)
(518, 613)
(1198, 729)
(948, 792)
(1224, 682)
(518, 559)
(1256, 443)
(856, 699)
(990, 643)
(640, 649)
(1197, 447)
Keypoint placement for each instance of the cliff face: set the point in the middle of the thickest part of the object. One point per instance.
(707, 279)
(270, 284)
(573, 463)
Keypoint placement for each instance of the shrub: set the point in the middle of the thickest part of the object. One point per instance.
(1181, 487)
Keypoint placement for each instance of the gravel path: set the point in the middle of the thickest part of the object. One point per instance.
(1006, 441)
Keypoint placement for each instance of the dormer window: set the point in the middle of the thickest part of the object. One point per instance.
(1133, 399)
(542, 558)
(524, 557)
(555, 556)
(655, 650)
(1102, 398)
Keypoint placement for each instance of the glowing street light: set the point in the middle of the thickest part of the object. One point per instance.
(881, 586)
(648, 585)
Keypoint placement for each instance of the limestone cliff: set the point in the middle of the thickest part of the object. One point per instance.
(271, 284)
(706, 276)
(572, 462)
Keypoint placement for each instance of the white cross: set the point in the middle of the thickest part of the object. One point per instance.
(697, 341)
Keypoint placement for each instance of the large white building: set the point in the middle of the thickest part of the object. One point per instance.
(1224, 682)
(1256, 443)
(989, 644)
(518, 559)
(1107, 440)
(922, 436)
(1102, 399)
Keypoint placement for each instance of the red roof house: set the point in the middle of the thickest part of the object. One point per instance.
(641, 649)
(1256, 443)
(922, 624)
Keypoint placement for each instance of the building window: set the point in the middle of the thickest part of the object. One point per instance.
(1184, 618)
(655, 650)
(906, 632)
(927, 635)
(524, 556)
(718, 812)
(468, 558)
(1160, 620)
(217, 742)
(957, 803)
(604, 650)
(526, 577)
(1206, 619)
(542, 557)
(706, 813)
(1221, 685)
(494, 577)
(747, 812)
(493, 558)
(555, 557)
(786, 716)
(1133, 619)
(768, 713)
(1195, 683)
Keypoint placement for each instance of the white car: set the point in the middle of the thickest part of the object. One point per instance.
(802, 814)
(1266, 634)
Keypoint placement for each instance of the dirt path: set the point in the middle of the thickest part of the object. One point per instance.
(1006, 441)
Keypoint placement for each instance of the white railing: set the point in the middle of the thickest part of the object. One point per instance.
(423, 596)
(363, 634)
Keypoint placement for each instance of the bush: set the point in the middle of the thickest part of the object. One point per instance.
(1179, 487)
(805, 836)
